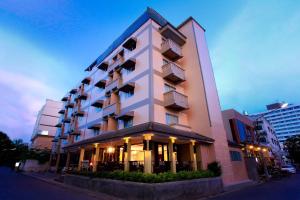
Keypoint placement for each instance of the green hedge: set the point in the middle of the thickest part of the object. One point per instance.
(149, 178)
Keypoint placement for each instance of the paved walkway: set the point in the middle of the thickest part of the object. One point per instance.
(19, 186)
(284, 189)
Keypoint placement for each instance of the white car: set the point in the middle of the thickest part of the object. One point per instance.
(289, 168)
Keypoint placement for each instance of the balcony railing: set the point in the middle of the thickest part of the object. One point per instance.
(115, 65)
(113, 85)
(171, 50)
(113, 109)
(175, 100)
(173, 72)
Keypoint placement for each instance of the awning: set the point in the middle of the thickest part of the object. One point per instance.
(127, 115)
(98, 103)
(139, 130)
(130, 44)
(86, 80)
(127, 87)
(103, 66)
(129, 64)
(101, 83)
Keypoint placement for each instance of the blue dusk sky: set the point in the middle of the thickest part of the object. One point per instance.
(46, 45)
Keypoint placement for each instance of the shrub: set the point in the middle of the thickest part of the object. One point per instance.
(215, 167)
(148, 178)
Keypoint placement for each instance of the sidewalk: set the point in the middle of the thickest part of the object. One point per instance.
(54, 179)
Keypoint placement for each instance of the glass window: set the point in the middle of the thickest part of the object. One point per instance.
(137, 153)
(171, 119)
(125, 123)
(126, 95)
(169, 88)
(242, 131)
(96, 132)
(98, 109)
(235, 156)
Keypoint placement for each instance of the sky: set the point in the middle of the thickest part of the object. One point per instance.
(46, 45)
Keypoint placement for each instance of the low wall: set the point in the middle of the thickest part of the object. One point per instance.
(132, 190)
(34, 166)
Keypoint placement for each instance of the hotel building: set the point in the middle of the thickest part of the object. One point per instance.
(148, 103)
(44, 129)
(285, 119)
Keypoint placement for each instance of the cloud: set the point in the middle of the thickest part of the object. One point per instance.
(256, 57)
(28, 76)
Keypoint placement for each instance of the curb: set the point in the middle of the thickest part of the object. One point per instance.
(96, 195)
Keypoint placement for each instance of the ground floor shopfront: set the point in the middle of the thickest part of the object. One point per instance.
(155, 151)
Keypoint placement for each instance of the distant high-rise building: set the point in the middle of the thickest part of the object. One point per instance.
(284, 117)
(44, 129)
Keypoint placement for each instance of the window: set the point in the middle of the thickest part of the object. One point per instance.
(169, 88)
(165, 61)
(171, 119)
(235, 156)
(125, 123)
(242, 131)
(98, 109)
(96, 132)
(126, 95)
(80, 119)
(126, 71)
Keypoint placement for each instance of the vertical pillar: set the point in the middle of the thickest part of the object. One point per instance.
(147, 154)
(80, 158)
(50, 161)
(172, 154)
(127, 154)
(193, 155)
(96, 157)
(68, 160)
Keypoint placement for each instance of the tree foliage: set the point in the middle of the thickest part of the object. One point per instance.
(292, 145)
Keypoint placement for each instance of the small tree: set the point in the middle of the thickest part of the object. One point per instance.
(292, 145)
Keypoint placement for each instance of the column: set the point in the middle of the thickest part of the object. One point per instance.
(68, 160)
(193, 155)
(172, 155)
(81, 157)
(96, 157)
(127, 154)
(147, 154)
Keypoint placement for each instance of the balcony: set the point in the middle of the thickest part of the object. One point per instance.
(175, 100)
(103, 66)
(171, 50)
(129, 64)
(62, 111)
(75, 132)
(64, 99)
(115, 65)
(83, 95)
(168, 31)
(63, 137)
(113, 85)
(130, 44)
(73, 91)
(66, 120)
(86, 80)
(98, 104)
(58, 125)
(173, 73)
(113, 109)
(70, 105)
(95, 127)
(101, 84)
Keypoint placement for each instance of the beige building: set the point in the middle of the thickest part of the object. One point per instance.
(148, 103)
(44, 129)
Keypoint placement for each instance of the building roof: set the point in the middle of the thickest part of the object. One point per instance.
(148, 14)
(143, 128)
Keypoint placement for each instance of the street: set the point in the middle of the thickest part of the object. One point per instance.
(285, 189)
(18, 186)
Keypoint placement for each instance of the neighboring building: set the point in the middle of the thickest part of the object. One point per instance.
(285, 119)
(148, 103)
(266, 136)
(246, 153)
(44, 129)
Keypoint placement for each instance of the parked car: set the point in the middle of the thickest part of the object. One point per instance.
(288, 168)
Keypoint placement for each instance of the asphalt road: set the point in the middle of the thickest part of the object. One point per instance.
(284, 189)
(16, 186)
